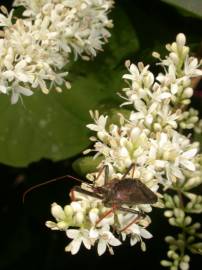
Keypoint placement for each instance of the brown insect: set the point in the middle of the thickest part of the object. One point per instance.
(117, 192)
(114, 193)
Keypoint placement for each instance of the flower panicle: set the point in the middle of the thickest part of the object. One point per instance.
(149, 137)
(35, 49)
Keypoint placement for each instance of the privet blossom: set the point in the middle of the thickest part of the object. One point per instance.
(34, 50)
(148, 138)
(80, 26)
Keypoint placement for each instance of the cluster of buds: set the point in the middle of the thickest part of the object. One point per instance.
(188, 119)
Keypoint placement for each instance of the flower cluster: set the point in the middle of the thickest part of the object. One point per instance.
(147, 138)
(32, 8)
(84, 214)
(35, 49)
(26, 63)
(80, 26)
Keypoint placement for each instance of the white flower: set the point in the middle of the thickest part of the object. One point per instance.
(138, 233)
(172, 155)
(17, 91)
(140, 76)
(191, 67)
(79, 236)
(135, 230)
(6, 20)
(36, 48)
(81, 26)
(32, 7)
(26, 62)
(100, 125)
(140, 80)
(105, 239)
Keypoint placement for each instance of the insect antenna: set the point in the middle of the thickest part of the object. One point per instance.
(51, 181)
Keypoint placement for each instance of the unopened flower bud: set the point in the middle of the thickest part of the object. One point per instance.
(58, 89)
(62, 225)
(188, 220)
(168, 47)
(79, 217)
(184, 266)
(181, 40)
(174, 57)
(93, 215)
(143, 246)
(188, 92)
(45, 90)
(165, 263)
(68, 210)
(57, 212)
(174, 47)
(127, 63)
(167, 155)
(149, 120)
(185, 51)
(68, 85)
(168, 214)
(156, 55)
(52, 225)
(186, 258)
(76, 206)
(157, 127)
(186, 101)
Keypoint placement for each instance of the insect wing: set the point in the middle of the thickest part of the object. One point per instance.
(133, 191)
(150, 196)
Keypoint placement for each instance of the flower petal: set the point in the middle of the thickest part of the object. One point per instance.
(144, 233)
(14, 98)
(188, 165)
(72, 233)
(190, 153)
(86, 243)
(101, 247)
(76, 245)
(113, 241)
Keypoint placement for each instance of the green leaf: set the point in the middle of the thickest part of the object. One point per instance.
(86, 165)
(54, 126)
(188, 7)
(122, 45)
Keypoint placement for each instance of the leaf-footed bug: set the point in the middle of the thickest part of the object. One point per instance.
(118, 192)
(114, 193)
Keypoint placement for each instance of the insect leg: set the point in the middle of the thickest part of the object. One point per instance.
(134, 220)
(114, 207)
(132, 167)
(72, 195)
(86, 192)
(106, 174)
(105, 168)
(130, 210)
(92, 194)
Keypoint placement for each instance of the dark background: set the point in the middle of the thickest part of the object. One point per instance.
(25, 241)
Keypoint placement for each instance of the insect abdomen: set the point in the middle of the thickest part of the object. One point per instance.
(133, 191)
